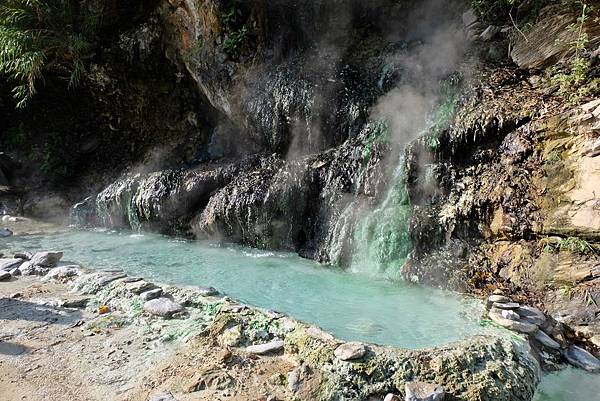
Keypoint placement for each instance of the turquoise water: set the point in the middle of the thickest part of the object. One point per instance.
(351, 306)
(569, 385)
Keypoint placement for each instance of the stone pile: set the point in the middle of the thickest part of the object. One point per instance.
(538, 327)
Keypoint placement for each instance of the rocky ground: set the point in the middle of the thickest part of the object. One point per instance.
(101, 335)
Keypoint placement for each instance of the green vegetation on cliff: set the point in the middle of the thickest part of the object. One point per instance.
(38, 36)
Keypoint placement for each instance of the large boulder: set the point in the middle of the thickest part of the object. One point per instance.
(46, 259)
(163, 307)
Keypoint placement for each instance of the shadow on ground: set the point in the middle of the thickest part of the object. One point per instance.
(15, 309)
(12, 349)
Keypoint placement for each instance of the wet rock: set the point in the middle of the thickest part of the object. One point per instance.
(270, 347)
(9, 264)
(506, 306)
(207, 291)
(421, 391)
(15, 272)
(518, 326)
(5, 232)
(151, 294)
(23, 255)
(62, 272)
(350, 351)
(4, 275)
(582, 359)
(163, 307)
(546, 340)
(392, 397)
(46, 259)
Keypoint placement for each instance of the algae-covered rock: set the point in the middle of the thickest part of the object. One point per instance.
(479, 369)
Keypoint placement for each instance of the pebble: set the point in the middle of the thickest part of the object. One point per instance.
(152, 294)
(46, 259)
(261, 349)
(506, 305)
(4, 275)
(582, 359)
(421, 391)
(163, 307)
(350, 351)
(546, 340)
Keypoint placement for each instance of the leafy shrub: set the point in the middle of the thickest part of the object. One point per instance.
(40, 36)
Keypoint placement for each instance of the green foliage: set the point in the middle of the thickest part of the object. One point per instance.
(40, 36)
(235, 41)
(553, 157)
(576, 245)
(522, 12)
(574, 78)
(570, 244)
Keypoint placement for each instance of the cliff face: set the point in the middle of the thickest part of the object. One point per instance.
(261, 122)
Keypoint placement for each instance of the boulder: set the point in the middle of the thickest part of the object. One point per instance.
(62, 273)
(531, 315)
(546, 340)
(582, 359)
(421, 391)
(29, 269)
(489, 33)
(163, 307)
(10, 263)
(350, 351)
(46, 259)
(5, 232)
(4, 275)
(469, 18)
(518, 326)
(270, 347)
(391, 397)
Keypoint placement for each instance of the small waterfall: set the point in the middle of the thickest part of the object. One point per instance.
(382, 239)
